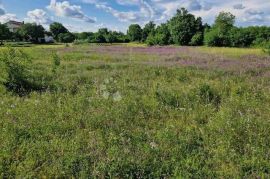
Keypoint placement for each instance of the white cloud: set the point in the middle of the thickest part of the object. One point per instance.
(162, 10)
(65, 9)
(239, 6)
(145, 12)
(7, 17)
(38, 16)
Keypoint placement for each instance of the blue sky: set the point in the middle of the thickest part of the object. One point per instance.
(90, 15)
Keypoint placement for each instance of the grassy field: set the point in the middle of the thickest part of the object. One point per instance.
(128, 111)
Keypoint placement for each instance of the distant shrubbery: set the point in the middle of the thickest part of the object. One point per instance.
(102, 36)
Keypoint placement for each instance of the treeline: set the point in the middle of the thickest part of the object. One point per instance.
(185, 29)
(103, 35)
(182, 29)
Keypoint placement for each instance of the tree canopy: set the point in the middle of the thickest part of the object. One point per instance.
(4, 33)
(183, 26)
(32, 32)
(56, 29)
(135, 32)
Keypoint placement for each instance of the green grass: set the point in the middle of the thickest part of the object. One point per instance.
(102, 118)
(232, 52)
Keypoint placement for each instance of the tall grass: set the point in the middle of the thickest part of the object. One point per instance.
(133, 120)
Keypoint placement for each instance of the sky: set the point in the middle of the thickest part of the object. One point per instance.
(90, 15)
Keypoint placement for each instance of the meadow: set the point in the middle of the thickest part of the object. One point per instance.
(131, 111)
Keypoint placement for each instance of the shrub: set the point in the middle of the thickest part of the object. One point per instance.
(66, 37)
(211, 38)
(3, 76)
(267, 48)
(197, 39)
(17, 73)
(17, 65)
(151, 40)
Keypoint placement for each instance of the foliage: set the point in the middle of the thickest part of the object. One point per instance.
(160, 37)
(18, 75)
(219, 34)
(32, 32)
(56, 29)
(182, 29)
(66, 37)
(148, 29)
(266, 48)
(99, 38)
(4, 33)
(197, 39)
(151, 39)
(183, 26)
(16, 64)
(134, 32)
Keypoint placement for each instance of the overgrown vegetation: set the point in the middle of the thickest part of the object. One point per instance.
(134, 113)
(19, 76)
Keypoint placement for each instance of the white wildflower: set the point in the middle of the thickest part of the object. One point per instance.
(106, 94)
(103, 87)
(107, 81)
(117, 96)
(153, 145)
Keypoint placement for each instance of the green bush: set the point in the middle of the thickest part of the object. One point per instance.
(17, 65)
(18, 74)
(197, 39)
(151, 40)
(66, 37)
(267, 48)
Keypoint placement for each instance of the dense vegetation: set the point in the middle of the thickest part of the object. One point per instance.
(134, 112)
(182, 29)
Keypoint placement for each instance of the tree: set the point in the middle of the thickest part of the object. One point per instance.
(66, 37)
(160, 37)
(99, 38)
(151, 39)
(103, 31)
(32, 32)
(56, 29)
(83, 35)
(219, 34)
(148, 28)
(224, 21)
(134, 32)
(4, 33)
(111, 38)
(183, 26)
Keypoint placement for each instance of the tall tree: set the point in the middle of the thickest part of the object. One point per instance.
(4, 33)
(162, 35)
(219, 34)
(148, 28)
(56, 29)
(32, 32)
(183, 26)
(135, 32)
